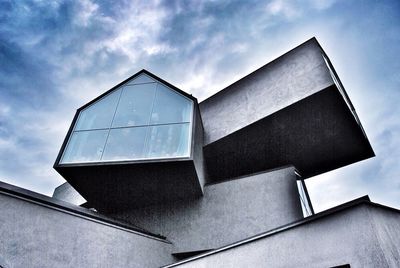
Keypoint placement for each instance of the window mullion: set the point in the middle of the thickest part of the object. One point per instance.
(147, 138)
(112, 120)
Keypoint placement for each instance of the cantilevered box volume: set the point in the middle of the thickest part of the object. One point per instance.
(135, 145)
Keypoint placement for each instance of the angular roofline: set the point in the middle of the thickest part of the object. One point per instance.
(143, 71)
(356, 202)
(52, 203)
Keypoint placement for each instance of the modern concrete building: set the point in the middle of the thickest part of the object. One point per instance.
(156, 179)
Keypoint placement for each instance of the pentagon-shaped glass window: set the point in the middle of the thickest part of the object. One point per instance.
(142, 119)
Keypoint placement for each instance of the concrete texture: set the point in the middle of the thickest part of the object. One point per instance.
(362, 236)
(34, 234)
(228, 211)
(299, 73)
(387, 231)
(108, 187)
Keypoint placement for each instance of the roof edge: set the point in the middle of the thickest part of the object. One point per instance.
(353, 203)
(143, 71)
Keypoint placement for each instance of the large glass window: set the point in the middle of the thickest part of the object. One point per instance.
(143, 119)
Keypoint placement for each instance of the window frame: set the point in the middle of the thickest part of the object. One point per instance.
(192, 123)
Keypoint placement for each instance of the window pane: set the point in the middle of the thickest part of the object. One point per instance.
(170, 107)
(135, 105)
(99, 114)
(141, 79)
(125, 143)
(85, 146)
(168, 140)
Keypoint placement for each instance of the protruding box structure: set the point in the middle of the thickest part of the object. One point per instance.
(135, 145)
(293, 110)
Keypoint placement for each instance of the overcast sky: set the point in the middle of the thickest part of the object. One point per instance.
(55, 56)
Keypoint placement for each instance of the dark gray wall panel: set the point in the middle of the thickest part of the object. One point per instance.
(118, 185)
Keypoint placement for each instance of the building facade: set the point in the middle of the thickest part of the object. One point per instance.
(156, 179)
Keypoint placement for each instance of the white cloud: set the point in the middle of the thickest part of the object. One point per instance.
(294, 9)
(281, 7)
(87, 10)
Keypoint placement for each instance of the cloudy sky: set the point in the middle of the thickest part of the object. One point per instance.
(55, 56)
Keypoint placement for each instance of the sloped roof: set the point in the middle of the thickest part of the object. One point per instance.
(143, 71)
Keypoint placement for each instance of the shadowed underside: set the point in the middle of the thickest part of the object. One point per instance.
(316, 134)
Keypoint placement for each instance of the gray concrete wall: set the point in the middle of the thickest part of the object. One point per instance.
(346, 237)
(33, 235)
(387, 229)
(228, 211)
(290, 78)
